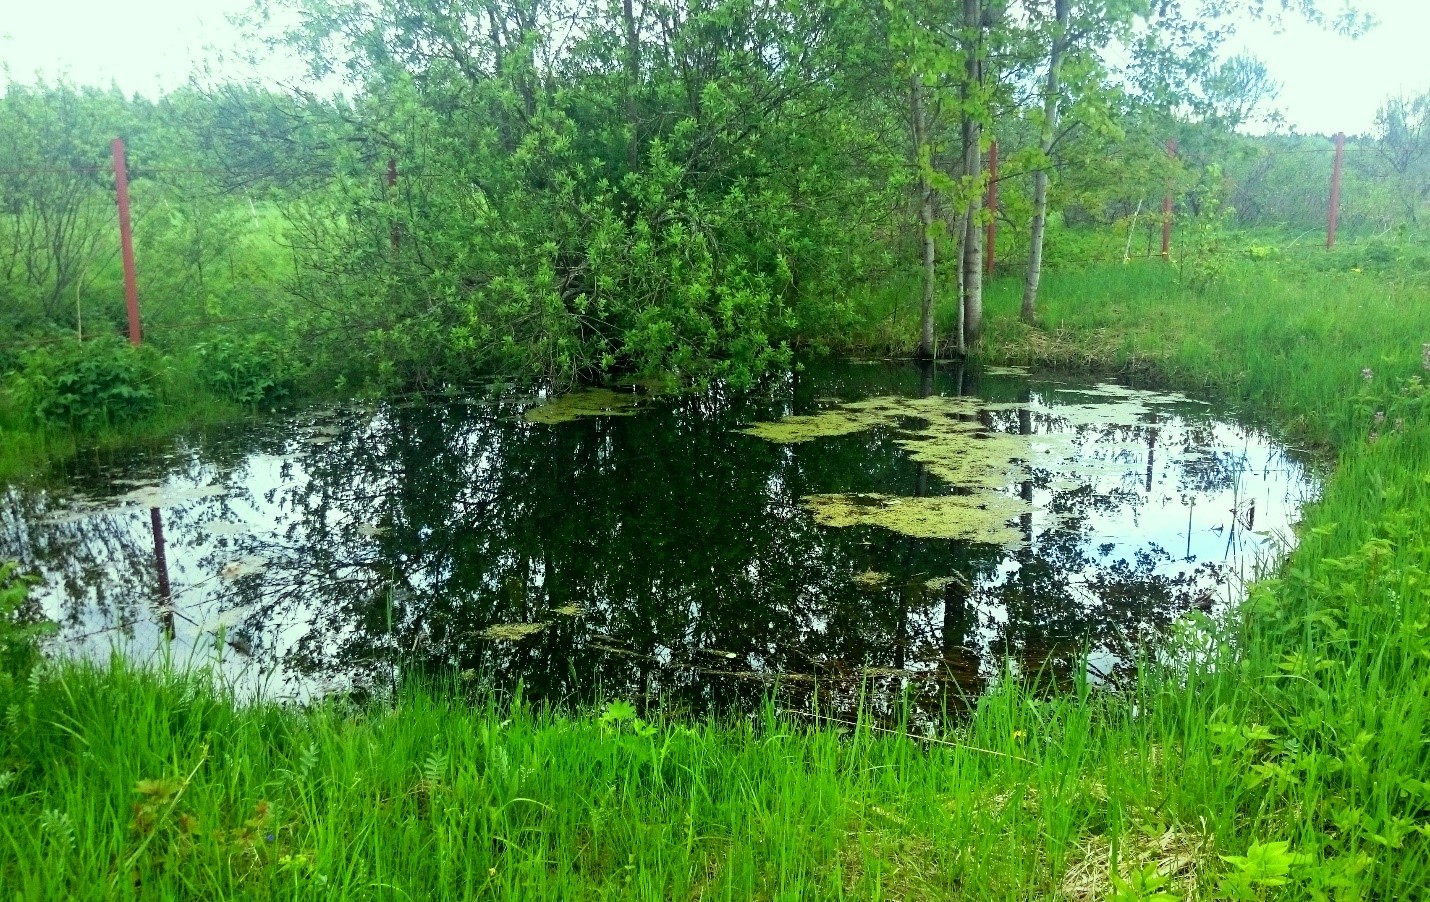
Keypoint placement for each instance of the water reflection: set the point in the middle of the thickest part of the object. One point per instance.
(666, 555)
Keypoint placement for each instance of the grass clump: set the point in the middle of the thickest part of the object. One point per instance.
(129, 784)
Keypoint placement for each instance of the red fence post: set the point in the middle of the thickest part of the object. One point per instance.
(990, 251)
(392, 189)
(1335, 213)
(1167, 205)
(126, 238)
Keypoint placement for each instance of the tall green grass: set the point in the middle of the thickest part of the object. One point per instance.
(1280, 755)
(29, 449)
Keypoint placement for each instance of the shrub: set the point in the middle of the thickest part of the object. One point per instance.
(84, 384)
(247, 371)
(20, 627)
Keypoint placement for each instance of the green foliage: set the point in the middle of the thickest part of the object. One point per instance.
(1204, 257)
(56, 211)
(1277, 754)
(248, 371)
(1146, 884)
(1265, 865)
(21, 629)
(85, 385)
(1313, 728)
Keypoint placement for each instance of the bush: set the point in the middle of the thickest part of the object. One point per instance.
(20, 627)
(247, 371)
(84, 384)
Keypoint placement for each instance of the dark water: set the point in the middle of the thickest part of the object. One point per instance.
(667, 553)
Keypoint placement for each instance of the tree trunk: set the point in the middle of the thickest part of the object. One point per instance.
(972, 171)
(633, 76)
(926, 232)
(960, 229)
(973, 256)
(1040, 178)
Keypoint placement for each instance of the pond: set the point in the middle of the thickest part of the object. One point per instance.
(850, 527)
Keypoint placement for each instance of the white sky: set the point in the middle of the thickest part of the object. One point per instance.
(1329, 83)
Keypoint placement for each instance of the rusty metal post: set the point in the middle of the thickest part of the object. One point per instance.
(126, 238)
(392, 192)
(1167, 205)
(1335, 214)
(990, 252)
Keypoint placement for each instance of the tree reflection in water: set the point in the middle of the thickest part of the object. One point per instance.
(667, 553)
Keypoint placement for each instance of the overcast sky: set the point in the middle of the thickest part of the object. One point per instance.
(1329, 83)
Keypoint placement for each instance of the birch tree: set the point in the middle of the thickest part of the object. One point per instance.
(1047, 133)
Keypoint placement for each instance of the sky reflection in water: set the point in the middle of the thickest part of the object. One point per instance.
(665, 554)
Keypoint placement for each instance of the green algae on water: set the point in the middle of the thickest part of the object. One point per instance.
(871, 579)
(939, 583)
(796, 429)
(585, 402)
(512, 632)
(983, 517)
(950, 440)
(967, 458)
(860, 416)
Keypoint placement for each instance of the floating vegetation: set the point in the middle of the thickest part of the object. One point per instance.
(795, 429)
(66, 515)
(957, 440)
(939, 583)
(370, 530)
(586, 402)
(512, 632)
(948, 437)
(1006, 371)
(970, 518)
(969, 459)
(871, 578)
(717, 652)
(569, 610)
(228, 619)
(859, 416)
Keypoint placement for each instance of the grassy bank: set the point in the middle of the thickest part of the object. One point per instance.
(104, 395)
(1288, 761)
(27, 449)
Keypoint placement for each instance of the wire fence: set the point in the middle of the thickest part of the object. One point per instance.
(1304, 191)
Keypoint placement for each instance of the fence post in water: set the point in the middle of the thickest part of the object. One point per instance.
(126, 238)
(1167, 205)
(392, 192)
(1335, 214)
(990, 253)
(161, 567)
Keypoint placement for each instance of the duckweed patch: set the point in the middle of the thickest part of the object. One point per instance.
(958, 440)
(871, 578)
(860, 416)
(939, 583)
(512, 632)
(586, 402)
(970, 518)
